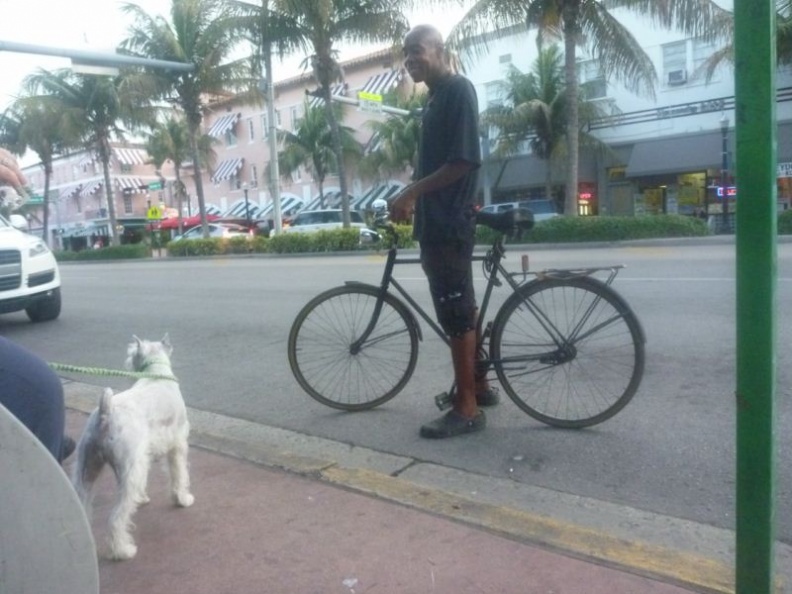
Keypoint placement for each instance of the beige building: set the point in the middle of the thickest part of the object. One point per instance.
(242, 150)
(78, 203)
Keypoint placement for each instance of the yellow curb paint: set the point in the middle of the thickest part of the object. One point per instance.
(669, 565)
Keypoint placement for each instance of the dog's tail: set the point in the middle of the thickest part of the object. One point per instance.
(90, 452)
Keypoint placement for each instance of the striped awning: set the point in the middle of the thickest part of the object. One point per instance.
(224, 124)
(130, 184)
(130, 156)
(337, 90)
(227, 169)
(91, 187)
(69, 192)
(381, 192)
(213, 209)
(374, 144)
(86, 159)
(382, 82)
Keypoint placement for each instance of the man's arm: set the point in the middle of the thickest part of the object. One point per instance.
(404, 204)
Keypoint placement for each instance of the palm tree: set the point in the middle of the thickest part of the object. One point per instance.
(591, 24)
(36, 123)
(203, 33)
(322, 23)
(310, 145)
(96, 109)
(394, 143)
(170, 141)
(534, 110)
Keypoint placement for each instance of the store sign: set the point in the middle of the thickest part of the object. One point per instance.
(784, 170)
(731, 192)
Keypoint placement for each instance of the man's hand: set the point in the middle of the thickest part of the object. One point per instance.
(402, 207)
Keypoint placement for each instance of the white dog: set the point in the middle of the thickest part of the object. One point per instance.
(129, 429)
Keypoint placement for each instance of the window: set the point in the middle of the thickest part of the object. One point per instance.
(592, 80)
(296, 175)
(253, 176)
(675, 63)
(278, 123)
(127, 203)
(251, 130)
(702, 50)
(493, 93)
(264, 127)
(77, 203)
(294, 115)
(234, 183)
(126, 168)
(231, 137)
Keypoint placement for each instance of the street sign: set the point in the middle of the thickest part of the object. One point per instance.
(155, 185)
(371, 102)
(154, 213)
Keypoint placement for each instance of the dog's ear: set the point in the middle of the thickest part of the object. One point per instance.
(167, 343)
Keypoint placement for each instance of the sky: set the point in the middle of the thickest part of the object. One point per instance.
(99, 25)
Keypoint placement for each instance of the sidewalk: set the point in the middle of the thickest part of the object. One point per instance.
(255, 529)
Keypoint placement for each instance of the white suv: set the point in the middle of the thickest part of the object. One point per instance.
(309, 221)
(29, 276)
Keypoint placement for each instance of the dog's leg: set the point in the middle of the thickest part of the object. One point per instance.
(179, 475)
(132, 475)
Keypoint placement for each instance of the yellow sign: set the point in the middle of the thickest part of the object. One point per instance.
(154, 213)
(369, 102)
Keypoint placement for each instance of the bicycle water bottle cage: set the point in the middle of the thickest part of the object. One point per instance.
(511, 223)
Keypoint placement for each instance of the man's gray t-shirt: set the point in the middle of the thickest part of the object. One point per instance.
(449, 133)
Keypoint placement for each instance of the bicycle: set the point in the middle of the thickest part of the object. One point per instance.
(565, 346)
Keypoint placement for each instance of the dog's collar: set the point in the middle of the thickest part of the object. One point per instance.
(152, 362)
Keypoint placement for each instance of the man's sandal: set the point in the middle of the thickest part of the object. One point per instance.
(452, 424)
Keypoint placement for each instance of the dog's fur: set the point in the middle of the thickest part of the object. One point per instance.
(127, 431)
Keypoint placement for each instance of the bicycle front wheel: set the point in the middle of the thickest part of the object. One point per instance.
(329, 364)
(568, 352)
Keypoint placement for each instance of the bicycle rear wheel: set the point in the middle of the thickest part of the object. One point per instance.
(568, 352)
(331, 370)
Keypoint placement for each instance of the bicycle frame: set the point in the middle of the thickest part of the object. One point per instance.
(492, 263)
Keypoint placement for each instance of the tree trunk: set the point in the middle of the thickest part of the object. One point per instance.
(179, 195)
(337, 148)
(571, 15)
(194, 130)
(45, 222)
(104, 157)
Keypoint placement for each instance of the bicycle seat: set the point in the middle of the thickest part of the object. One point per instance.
(510, 222)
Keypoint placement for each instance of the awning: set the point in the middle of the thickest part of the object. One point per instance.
(380, 192)
(337, 90)
(224, 124)
(240, 209)
(529, 171)
(91, 187)
(382, 82)
(676, 155)
(130, 184)
(86, 159)
(69, 192)
(212, 209)
(130, 156)
(227, 169)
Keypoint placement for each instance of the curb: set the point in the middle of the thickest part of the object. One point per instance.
(667, 549)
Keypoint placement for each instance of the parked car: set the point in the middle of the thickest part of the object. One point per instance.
(226, 230)
(29, 275)
(542, 209)
(310, 221)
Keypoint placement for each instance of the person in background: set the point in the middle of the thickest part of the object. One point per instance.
(443, 200)
(29, 389)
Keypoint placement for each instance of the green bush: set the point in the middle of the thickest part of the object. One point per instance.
(120, 252)
(785, 222)
(580, 229)
(216, 246)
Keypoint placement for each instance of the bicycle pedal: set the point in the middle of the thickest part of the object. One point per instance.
(444, 400)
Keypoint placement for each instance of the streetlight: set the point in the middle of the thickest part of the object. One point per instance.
(724, 126)
(247, 205)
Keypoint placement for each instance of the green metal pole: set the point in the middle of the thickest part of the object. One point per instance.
(755, 67)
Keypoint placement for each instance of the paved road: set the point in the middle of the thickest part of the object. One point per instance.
(671, 451)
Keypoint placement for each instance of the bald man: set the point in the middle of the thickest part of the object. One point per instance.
(442, 199)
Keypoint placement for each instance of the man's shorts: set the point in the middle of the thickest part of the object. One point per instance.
(448, 266)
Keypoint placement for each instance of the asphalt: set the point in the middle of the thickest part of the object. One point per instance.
(281, 512)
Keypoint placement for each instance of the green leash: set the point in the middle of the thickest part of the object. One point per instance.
(109, 372)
